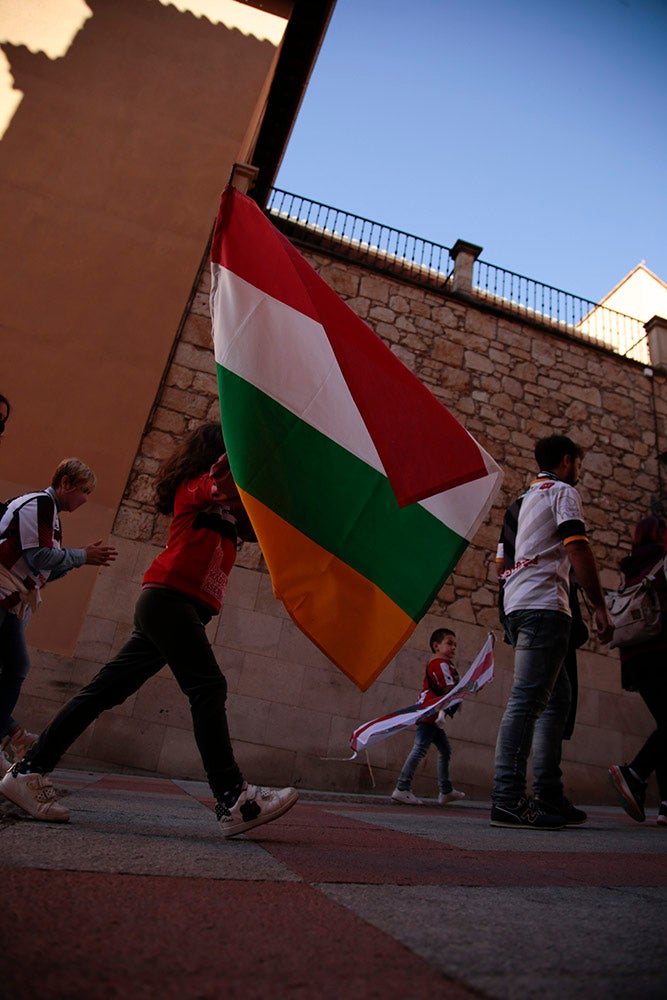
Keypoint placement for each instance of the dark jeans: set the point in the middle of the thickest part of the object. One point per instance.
(168, 628)
(653, 755)
(537, 709)
(14, 666)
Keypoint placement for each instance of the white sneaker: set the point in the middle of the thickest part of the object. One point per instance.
(253, 807)
(35, 794)
(407, 797)
(453, 796)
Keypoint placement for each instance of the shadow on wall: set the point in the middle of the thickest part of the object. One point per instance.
(110, 175)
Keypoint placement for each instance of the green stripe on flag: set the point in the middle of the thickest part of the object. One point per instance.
(334, 498)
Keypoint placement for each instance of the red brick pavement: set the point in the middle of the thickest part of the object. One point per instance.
(70, 933)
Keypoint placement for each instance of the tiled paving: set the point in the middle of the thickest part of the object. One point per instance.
(139, 896)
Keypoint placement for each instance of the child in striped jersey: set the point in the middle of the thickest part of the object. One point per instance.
(440, 676)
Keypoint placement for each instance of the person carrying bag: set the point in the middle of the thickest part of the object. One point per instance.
(635, 610)
(644, 667)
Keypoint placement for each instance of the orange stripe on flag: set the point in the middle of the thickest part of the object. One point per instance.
(344, 614)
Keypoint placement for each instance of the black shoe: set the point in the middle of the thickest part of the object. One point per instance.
(631, 789)
(525, 813)
(565, 809)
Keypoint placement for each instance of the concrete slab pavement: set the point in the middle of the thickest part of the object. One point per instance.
(139, 896)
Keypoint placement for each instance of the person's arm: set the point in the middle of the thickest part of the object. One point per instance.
(225, 491)
(500, 559)
(224, 487)
(58, 562)
(585, 569)
(507, 541)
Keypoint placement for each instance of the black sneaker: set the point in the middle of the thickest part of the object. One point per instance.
(631, 789)
(564, 808)
(527, 814)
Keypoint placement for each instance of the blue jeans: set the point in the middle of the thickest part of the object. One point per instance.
(427, 733)
(537, 709)
(14, 666)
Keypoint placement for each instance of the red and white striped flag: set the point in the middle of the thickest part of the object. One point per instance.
(479, 674)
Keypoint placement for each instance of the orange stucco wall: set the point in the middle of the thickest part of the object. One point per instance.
(110, 173)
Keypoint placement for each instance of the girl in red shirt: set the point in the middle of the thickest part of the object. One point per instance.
(182, 589)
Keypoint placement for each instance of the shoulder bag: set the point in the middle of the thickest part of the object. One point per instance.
(635, 611)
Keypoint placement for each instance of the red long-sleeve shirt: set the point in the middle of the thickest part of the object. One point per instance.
(201, 548)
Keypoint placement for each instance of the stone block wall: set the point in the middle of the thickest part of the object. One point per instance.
(291, 712)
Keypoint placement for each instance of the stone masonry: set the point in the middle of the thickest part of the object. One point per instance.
(291, 712)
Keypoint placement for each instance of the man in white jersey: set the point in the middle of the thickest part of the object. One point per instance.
(551, 538)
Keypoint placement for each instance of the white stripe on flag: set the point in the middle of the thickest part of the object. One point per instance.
(258, 337)
(479, 674)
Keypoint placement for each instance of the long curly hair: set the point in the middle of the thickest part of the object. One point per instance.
(195, 456)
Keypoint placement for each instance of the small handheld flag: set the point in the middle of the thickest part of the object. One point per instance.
(479, 674)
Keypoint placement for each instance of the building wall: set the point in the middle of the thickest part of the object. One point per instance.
(641, 294)
(291, 712)
(111, 169)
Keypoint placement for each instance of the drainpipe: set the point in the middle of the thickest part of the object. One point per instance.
(656, 329)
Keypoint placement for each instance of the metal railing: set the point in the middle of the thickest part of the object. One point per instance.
(579, 317)
(387, 249)
(395, 252)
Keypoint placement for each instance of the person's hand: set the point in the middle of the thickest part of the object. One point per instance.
(224, 487)
(100, 555)
(225, 490)
(604, 625)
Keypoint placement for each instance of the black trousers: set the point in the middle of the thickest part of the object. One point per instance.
(169, 628)
(653, 755)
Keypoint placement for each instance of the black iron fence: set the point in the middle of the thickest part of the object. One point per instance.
(395, 252)
(577, 316)
(346, 235)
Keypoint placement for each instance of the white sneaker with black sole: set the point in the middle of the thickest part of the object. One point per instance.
(254, 806)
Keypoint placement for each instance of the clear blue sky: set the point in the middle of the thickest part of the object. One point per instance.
(535, 128)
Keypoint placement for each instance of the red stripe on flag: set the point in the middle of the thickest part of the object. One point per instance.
(423, 448)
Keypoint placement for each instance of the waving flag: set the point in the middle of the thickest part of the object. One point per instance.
(362, 488)
(479, 674)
